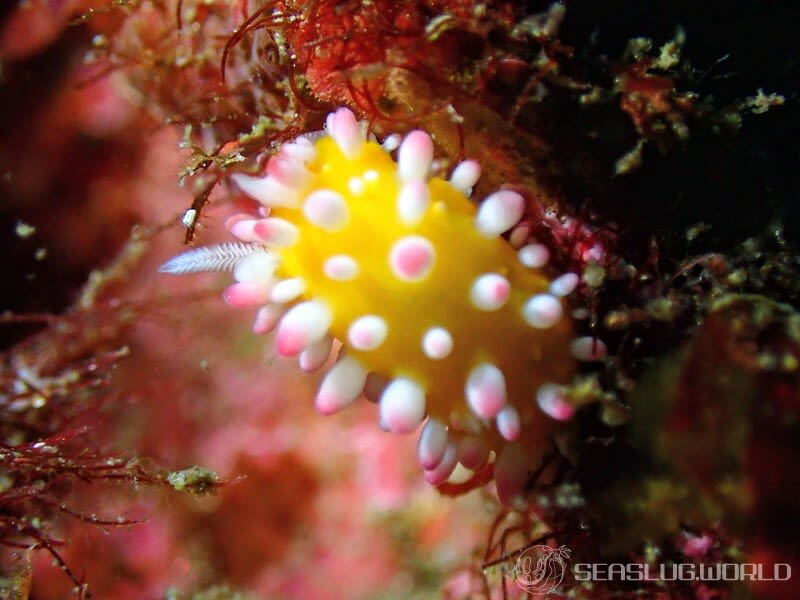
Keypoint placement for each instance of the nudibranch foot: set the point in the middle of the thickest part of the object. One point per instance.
(442, 321)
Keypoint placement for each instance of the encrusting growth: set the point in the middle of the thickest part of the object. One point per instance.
(440, 318)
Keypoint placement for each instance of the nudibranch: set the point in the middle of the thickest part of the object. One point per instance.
(441, 320)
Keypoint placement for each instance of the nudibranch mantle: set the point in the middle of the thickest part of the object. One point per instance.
(439, 316)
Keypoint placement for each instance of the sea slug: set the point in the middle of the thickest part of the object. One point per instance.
(441, 320)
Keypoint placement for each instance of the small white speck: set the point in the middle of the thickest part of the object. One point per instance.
(24, 230)
(189, 217)
(392, 142)
(356, 186)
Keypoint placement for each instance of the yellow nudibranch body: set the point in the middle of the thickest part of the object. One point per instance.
(441, 320)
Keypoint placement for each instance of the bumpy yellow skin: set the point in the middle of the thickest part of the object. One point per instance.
(528, 357)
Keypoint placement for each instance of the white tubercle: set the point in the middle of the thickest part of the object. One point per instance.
(486, 390)
(304, 324)
(411, 258)
(308, 139)
(553, 402)
(235, 218)
(258, 266)
(313, 357)
(432, 444)
(542, 311)
(564, 285)
(267, 318)
(392, 142)
(413, 201)
(472, 452)
(489, 292)
(326, 209)
(402, 406)
(277, 232)
(287, 290)
(588, 349)
(287, 171)
(272, 231)
(534, 256)
(508, 423)
(246, 294)
(340, 267)
(341, 386)
(519, 234)
(437, 343)
(465, 176)
(245, 230)
(444, 469)
(300, 150)
(329, 120)
(415, 156)
(367, 333)
(499, 213)
(346, 131)
(266, 190)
